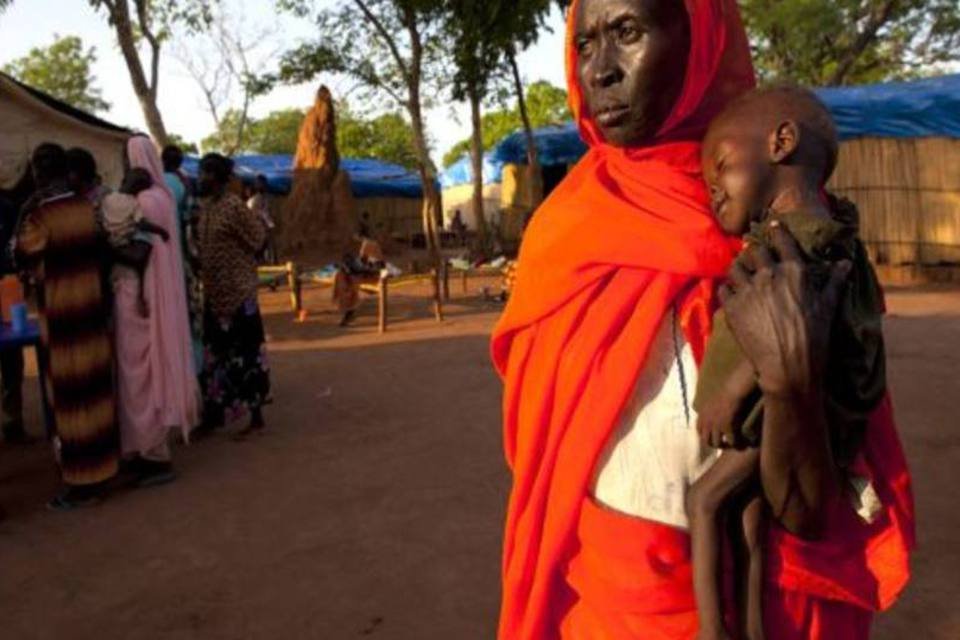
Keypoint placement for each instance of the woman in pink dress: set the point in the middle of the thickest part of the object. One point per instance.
(156, 379)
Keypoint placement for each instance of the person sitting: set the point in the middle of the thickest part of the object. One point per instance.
(459, 228)
(365, 265)
(128, 232)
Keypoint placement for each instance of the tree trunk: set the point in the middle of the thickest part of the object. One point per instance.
(146, 94)
(476, 162)
(534, 173)
(431, 196)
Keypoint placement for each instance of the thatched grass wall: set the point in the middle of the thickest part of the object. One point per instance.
(908, 192)
(398, 218)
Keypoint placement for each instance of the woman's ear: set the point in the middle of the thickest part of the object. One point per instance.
(784, 141)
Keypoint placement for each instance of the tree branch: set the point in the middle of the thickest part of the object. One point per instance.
(877, 19)
(143, 18)
(389, 39)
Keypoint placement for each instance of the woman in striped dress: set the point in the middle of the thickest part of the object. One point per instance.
(58, 242)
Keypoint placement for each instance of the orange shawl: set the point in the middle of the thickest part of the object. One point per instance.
(626, 235)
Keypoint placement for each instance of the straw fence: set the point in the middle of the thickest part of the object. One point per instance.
(908, 191)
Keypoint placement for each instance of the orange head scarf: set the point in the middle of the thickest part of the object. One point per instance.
(624, 237)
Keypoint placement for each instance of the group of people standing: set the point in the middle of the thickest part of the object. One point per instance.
(138, 343)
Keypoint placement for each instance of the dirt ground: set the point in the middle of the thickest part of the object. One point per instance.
(373, 507)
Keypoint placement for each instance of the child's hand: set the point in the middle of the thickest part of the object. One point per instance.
(715, 422)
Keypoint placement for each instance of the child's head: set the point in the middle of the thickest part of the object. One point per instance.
(763, 143)
(135, 181)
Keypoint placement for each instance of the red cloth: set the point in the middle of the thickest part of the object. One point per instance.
(632, 579)
(627, 234)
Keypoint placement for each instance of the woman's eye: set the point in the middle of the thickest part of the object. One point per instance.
(629, 33)
(583, 45)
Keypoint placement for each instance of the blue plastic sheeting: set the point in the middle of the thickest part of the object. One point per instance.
(559, 144)
(916, 109)
(368, 178)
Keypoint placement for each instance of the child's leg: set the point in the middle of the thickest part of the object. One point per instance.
(751, 584)
(705, 498)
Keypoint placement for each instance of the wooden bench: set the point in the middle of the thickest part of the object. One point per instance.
(271, 275)
(380, 286)
(465, 275)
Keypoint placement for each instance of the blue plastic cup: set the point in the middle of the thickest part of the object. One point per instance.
(18, 317)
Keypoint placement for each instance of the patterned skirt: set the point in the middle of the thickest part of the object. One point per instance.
(236, 374)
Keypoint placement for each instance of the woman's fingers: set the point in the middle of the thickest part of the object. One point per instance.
(784, 243)
(725, 292)
(739, 275)
(757, 257)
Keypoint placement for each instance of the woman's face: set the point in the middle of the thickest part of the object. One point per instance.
(631, 62)
(208, 182)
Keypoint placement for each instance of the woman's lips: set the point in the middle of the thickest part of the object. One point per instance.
(612, 116)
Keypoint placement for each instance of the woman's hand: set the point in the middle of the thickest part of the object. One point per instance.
(783, 326)
(781, 322)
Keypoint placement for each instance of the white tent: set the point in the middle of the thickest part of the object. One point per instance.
(29, 117)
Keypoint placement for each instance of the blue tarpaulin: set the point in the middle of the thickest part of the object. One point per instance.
(368, 178)
(915, 109)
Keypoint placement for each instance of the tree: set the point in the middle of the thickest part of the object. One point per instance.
(842, 42)
(388, 137)
(545, 105)
(275, 133)
(151, 22)
(186, 147)
(391, 48)
(529, 20)
(479, 33)
(64, 71)
(221, 59)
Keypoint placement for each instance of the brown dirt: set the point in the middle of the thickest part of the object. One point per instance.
(373, 507)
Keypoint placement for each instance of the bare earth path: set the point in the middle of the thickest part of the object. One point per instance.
(374, 505)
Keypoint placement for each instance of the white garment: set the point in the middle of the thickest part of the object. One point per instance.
(655, 453)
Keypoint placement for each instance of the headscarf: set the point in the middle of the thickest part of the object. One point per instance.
(174, 392)
(627, 235)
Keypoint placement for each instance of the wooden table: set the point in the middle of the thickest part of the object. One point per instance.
(381, 285)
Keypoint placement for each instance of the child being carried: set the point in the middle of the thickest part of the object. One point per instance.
(766, 160)
(128, 232)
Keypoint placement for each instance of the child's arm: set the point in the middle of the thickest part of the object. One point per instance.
(149, 227)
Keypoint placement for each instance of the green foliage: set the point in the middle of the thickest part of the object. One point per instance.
(64, 71)
(842, 42)
(180, 141)
(387, 137)
(374, 43)
(546, 104)
(276, 133)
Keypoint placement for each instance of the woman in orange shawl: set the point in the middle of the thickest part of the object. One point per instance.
(624, 250)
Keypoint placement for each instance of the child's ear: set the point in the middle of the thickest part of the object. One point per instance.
(784, 141)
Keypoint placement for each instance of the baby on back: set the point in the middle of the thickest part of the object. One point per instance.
(766, 160)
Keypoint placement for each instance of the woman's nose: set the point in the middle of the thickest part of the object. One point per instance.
(607, 69)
